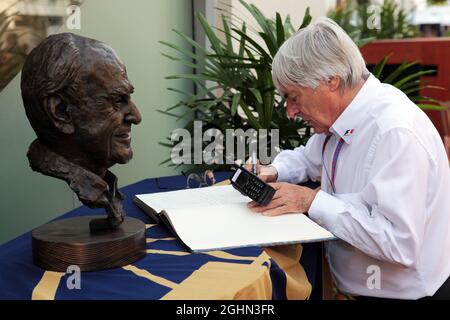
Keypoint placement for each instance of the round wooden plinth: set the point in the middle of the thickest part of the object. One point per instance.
(61, 243)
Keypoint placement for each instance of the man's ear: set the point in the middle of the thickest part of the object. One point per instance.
(334, 83)
(58, 112)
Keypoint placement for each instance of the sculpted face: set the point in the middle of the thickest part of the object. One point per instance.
(102, 122)
(77, 97)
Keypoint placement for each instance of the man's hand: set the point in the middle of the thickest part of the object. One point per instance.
(265, 173)
(288, 198)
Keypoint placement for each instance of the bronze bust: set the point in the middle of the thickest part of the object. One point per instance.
(77, 98)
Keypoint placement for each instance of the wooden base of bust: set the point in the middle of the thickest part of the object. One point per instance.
(65, 242)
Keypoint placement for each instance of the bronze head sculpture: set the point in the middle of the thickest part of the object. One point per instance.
(77, 98)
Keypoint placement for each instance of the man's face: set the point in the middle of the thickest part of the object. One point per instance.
(316, 106)
(103, 120)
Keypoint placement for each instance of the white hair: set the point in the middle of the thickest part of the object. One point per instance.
(316, 53)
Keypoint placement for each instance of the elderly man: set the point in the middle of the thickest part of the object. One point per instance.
(384, 173)
(77, 98)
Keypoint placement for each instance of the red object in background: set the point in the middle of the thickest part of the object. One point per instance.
(430, 52)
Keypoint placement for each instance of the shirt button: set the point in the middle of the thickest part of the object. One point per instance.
(319, 221)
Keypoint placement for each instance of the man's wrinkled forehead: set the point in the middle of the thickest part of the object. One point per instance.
(102, 71)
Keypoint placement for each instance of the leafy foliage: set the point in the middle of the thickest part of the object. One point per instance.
(235, 88)
(357, 19)
(234, 85)
(407, 78)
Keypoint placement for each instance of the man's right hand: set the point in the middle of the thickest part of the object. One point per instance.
(265, 173)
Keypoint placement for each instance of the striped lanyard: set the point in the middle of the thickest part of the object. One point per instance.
(335, 158)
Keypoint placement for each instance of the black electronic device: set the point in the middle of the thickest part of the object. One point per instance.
(251, 186)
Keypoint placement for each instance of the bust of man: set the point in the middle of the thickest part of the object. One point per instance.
(77, 98)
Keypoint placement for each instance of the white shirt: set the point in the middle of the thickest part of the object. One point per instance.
(391, 209)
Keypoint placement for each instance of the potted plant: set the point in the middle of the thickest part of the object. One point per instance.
(353, 16)
(234, 85)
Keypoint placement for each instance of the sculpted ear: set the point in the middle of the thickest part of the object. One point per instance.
(58, 112)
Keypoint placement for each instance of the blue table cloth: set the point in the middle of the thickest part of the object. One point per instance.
(167, 271)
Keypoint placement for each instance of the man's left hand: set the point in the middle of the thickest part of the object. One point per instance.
(288, 198)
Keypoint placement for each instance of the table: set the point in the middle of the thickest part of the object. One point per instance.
(168, 270)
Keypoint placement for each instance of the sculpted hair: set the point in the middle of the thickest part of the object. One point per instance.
(316, 53)
(51, 69)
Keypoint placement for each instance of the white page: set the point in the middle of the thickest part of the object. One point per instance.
(186, 198)
(217, 218)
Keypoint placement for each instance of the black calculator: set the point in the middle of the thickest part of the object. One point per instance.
(251, 186)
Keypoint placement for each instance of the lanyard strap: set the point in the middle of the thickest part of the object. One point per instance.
(335, 158)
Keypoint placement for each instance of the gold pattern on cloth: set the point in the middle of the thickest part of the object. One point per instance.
(216, 280)
(288, 259)
(145, 274)
(219, 280)
(47, 286)
(263, 257)
(225, 281)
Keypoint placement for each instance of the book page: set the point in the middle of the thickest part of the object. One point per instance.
(217, 218)
(198, 197)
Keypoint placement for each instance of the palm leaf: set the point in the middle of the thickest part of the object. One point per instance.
(380, 66)
(215, 42)
(431, 107)
(182, 61)
(255, 45)
(197, 77)
(406, 79)
(235, 102)
(306, 19)
(262, 22)
(409, 83)
(362, 42)
(251, 118)
(280, 30)
(399, 70)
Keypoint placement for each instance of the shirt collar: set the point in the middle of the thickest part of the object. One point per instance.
(348, 123)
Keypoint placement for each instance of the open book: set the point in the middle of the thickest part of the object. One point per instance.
(217, 218)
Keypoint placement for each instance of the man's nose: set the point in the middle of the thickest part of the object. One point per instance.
(133, 115)
(292, 109)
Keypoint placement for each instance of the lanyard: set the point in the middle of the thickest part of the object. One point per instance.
(335, 158)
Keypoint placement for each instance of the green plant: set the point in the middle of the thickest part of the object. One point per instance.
(357, 19)
(352, 16)
(242, 94)
(234, 85)
(437, 2)
(407, 78)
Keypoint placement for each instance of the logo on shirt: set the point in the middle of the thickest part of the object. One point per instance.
(349, 132)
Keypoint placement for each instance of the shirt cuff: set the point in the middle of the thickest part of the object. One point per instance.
(325, 209)
(282, 175)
